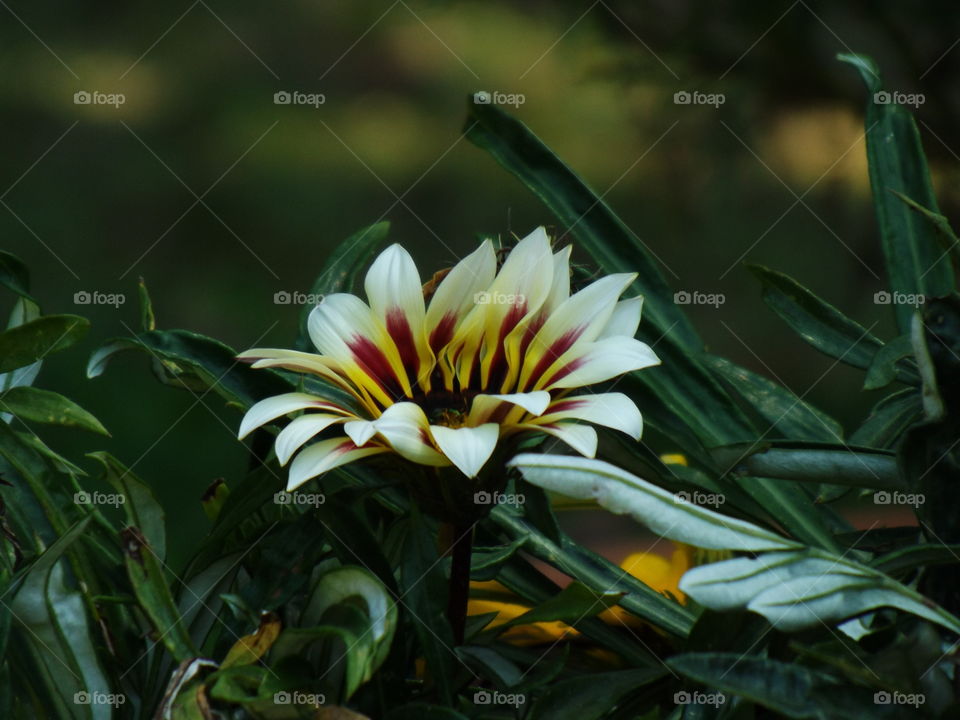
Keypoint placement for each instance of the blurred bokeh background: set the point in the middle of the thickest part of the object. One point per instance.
(219, 197)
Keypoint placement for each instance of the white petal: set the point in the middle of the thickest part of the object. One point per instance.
(326, 455)
(598, 361)
(303, 362)
(613, 410)
(581, 438)
(625, 319)
(513, 299)
(343, 327)
(577, 321)
(406, 428)
(360, 431)
(560, 284)
(395, 294)
(484, 405)
(467, 447)
(273, 407)
(456, 293)
(301, 430)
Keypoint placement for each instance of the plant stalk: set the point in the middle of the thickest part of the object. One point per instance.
(460, 551)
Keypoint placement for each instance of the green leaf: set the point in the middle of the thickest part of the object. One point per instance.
(34, 340)
(792, 508)
(584, 214)
(196, 362)
(60, 634)
(883, 368)
(790, 689)
(595, 572)
(45, 406)
(485, 562)
(572, 604)
(799, 590)
(147, 319)
(681, 384)
(664, 513)
(341, 271)
(24, 310)
(153, 593)
(140, 506)
(916, 264)
(14, 275)
(916, 556)
(889, 419)
(424, 589)
(213, 498)
(838, 464)
(788, 414)
(940, 223)
(816, 321)
(348, 582)
(590, 697)
(491, 664)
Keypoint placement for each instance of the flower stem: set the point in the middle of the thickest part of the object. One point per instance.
(460, 550)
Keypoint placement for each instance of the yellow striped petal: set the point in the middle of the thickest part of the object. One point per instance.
(395, 294)
(612, 410)
(596, 362)
(344, 327)
(579, 319)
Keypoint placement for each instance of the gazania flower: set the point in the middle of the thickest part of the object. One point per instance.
(494, 354)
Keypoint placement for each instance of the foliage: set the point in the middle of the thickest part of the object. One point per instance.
(332, 602)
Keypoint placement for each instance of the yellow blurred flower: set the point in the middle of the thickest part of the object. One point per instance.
(660, 573)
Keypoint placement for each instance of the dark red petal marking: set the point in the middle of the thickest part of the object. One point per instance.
(565, 406)
(557, 348)
(343, 448)
(498, 366)
(532, 329)
(402, 335)
(443, 332)
(374, 363)
(565, 370)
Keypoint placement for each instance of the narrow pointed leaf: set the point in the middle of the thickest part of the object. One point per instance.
(916, 263)
(45, 406)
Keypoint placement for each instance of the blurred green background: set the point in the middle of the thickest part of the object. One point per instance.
(219, 198)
